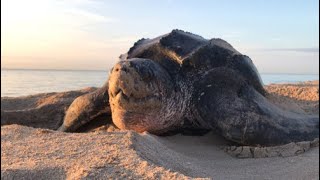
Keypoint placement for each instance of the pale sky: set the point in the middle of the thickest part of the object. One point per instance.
(279, 36)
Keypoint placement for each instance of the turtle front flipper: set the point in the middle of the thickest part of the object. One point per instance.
(236, 110)
(86, 108)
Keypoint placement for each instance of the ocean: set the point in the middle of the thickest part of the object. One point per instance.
(26, 82)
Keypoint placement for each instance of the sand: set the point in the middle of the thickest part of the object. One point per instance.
(108, 153)
(45, 110)
(300, 97)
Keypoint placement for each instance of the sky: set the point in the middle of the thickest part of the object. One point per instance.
(279, 36)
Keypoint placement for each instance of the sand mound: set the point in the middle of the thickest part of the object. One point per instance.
(38, 154)
(45, 110)
(300, 97)
(33, 153)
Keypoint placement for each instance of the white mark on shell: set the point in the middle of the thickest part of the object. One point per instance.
(209, 85)
(202, 94)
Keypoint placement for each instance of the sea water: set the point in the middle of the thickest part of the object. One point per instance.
(26, 82)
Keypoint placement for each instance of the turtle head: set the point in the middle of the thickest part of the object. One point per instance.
(141, 96)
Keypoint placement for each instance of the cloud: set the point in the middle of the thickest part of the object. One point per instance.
(308, 50)
(233, 34)
(90, 15)
(275, 38)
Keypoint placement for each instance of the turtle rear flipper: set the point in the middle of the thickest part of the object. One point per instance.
(264, 123)
(227, 103)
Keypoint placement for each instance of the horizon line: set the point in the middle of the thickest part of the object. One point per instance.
(32, 69)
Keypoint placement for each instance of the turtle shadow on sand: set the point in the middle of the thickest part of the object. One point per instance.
(183, 83)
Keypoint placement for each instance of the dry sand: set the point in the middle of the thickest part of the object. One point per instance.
(34, 153)
(300, 97)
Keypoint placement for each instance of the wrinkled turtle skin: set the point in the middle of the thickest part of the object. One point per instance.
(182, 81)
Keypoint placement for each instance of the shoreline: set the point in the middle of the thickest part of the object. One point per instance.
(76, 89)
(74, 80)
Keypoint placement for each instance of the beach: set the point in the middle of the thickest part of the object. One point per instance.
(39, 152)
(159, 90)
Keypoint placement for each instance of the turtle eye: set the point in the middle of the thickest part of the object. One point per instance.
(124, 69)
(146, 74)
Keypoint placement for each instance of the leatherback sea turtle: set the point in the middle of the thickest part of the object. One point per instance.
(183, 81)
